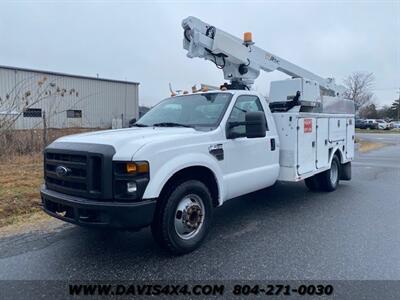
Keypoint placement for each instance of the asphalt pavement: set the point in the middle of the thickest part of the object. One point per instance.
(283, 232)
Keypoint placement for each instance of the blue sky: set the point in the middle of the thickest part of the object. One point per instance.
(142, 40)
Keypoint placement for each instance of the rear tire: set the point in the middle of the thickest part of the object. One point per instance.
(312, 183)
(183, 217)
(329, 179)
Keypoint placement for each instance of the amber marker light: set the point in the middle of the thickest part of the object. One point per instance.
(143, 167)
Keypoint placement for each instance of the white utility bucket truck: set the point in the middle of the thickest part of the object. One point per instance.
(192, 152)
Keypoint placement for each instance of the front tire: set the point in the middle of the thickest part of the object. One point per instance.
(183, 217)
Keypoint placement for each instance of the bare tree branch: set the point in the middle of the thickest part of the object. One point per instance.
(359, 88)
(29, 92)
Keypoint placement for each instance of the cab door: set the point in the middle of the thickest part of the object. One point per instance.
(249, 163)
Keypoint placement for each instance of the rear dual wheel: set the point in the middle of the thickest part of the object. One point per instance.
(326, 181)
(312, 183)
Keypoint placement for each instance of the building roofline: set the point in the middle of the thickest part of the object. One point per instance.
(67, 75)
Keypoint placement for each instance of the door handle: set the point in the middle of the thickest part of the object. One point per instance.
(273, 146)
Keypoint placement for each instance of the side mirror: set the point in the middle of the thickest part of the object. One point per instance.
(256, 125)
(131, 122)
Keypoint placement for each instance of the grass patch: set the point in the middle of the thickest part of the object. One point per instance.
(366, 146)
(20, 181)
(21, 171)
(36, 221)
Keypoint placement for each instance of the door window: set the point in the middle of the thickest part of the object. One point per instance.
(243, 105)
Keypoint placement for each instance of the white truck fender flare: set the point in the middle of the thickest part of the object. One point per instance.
(167, 170)
(334, 150)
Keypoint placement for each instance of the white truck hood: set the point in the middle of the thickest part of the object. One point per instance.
(130, 139)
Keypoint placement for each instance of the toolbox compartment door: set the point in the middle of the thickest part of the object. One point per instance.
(306, 147)
(322, 143)
(337, 130)
(350, 136)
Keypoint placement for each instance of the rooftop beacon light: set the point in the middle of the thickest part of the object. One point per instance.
(248, 39)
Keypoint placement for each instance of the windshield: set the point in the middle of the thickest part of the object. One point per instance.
(196, 110)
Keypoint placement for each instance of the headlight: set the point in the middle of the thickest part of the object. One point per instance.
(130, 180)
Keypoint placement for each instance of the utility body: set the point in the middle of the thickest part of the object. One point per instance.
(192, 152)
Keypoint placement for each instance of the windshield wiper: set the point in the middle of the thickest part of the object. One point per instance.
(140, 125)
(170, 124)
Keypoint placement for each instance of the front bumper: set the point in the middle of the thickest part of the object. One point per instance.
(85, 212)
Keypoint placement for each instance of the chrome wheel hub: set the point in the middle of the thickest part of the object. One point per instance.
(189, 216)
(334, 173)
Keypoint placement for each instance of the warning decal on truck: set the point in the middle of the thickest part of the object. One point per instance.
(307, 125)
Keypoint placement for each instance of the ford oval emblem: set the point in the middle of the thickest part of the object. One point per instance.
(62, 171)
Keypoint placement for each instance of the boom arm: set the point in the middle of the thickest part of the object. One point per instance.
(240, 61)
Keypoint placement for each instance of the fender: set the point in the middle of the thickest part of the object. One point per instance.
(167, 170)
(341, 157)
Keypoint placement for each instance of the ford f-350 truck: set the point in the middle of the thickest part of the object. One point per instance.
(191, 153)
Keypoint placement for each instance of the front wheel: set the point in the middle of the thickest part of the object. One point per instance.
(329, 179)
(183, 217)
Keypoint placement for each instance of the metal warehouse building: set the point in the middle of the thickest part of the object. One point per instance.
(33, 99)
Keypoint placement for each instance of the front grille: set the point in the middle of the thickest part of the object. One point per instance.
(82, 176)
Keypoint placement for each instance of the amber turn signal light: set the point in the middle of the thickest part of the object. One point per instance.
(138, 167)
(131, 168)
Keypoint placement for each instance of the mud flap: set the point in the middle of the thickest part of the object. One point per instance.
(345, 171)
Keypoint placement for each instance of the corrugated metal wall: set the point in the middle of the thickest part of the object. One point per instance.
(100, 101)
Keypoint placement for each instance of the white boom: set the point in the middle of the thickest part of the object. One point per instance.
(241, 61)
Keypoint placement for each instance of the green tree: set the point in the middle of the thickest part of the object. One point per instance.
(385, 112)
(395, 108)
(368, 112)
